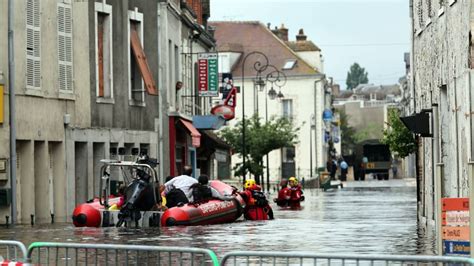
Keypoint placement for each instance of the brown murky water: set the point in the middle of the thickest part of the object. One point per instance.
(362, 220)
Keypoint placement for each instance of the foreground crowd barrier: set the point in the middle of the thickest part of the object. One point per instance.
(305, 258)
(49, 253)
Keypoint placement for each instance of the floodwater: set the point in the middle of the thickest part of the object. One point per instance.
(360, 219)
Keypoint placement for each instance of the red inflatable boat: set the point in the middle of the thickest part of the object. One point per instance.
(211, 212)
(89, 214)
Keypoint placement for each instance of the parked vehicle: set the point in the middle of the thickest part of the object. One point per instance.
(375, 157)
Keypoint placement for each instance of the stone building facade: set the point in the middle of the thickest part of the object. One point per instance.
(83, 94)
(441, 80)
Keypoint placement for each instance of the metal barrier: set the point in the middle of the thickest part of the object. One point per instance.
(109, 254)
(12, 251)
(303, 258)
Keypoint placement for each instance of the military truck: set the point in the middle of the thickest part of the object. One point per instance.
(375, 156)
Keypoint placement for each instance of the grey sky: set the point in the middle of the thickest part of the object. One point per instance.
(373, 33)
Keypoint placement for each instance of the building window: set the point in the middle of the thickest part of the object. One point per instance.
(136, 90)
(104, 52)
(288, 154)
(421, 21)
(287, 108)
(65, 49)
(289, 64)
(429, 8)
(176, 73)
(138, 70)
(33, 44)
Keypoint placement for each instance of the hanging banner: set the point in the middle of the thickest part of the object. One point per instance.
(208, 76)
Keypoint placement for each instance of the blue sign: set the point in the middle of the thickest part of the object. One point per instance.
(327, 115)
(327, 136)
(456, 247)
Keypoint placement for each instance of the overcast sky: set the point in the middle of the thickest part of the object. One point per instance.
(374, 33)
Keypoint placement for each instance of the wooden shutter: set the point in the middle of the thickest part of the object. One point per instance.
(65, 46)
(142, 63)
(33, 41)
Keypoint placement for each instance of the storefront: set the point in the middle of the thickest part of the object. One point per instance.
(184, 140)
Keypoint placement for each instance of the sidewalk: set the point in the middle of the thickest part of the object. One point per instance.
(371, 183)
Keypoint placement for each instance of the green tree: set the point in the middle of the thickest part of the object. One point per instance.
(261, 139)
(397, 135)
(356, 75)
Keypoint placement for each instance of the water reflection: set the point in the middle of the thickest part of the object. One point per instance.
(368, 220)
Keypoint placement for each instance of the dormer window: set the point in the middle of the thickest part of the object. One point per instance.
(289, 64)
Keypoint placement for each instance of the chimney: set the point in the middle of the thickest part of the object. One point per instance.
(268, 25)
(301, 37)
(276, 32)
(283, 33)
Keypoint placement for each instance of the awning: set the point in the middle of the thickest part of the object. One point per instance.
(419, 123)
(195, 135)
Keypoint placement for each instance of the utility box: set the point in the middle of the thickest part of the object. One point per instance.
(5, 196)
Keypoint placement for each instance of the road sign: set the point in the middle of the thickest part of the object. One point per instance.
(455, 226)
(455, 204)
(208, 76)
(327, 115)
(456, 233)
(456, 248)
(456, 218)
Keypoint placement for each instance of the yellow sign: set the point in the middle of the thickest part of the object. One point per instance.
(1, 104)
(370, 165)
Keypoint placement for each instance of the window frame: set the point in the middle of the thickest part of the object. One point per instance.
(290, 107)
(69, 88)
(34, 55)
(106, 9)
(134, 15)
(287, 65)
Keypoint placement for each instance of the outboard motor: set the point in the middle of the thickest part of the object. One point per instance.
(139, 195)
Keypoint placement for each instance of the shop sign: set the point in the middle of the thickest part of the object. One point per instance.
(208, 76)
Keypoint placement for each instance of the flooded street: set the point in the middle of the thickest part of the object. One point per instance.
(363, 219)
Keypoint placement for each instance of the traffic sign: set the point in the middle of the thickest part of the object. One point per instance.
(456, 233)
(456, 218)
(455, 204)
(456, 247)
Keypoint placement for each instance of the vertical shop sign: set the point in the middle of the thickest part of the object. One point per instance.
(208, 76)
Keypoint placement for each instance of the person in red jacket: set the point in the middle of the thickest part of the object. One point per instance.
(296, 194)
(283, 194)
(256, 204)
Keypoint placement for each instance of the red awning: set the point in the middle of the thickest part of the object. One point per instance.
(196, 136)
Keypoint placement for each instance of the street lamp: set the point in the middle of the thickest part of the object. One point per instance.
(259, 67)
(278, 78)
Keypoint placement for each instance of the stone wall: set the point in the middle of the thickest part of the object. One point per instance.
(441, 75)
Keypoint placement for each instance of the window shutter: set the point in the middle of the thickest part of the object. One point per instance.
(142, 62)
(33, 44)
(65, 49)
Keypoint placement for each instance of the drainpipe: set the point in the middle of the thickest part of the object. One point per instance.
(315, 117)
(11, 92)
(161, 113)
(437, 177)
